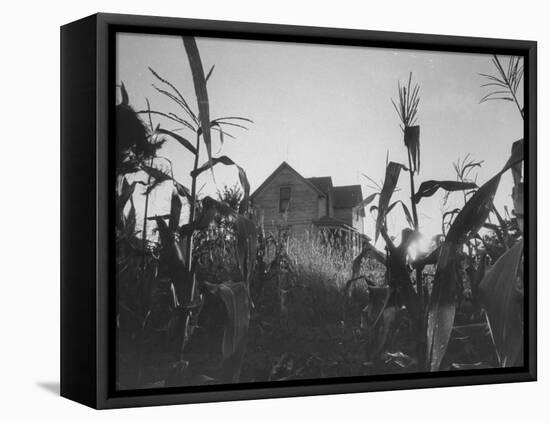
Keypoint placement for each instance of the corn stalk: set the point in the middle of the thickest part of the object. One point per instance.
(407, 111)
(505, 83)
(179, 260)
(434, 317)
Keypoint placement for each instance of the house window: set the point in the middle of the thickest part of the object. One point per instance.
(284, 199)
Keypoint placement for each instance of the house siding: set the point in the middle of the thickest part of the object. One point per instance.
(344, 215)
(322, 207)
(314, 204)
(358, 223)
(304, 203)
(349, 218)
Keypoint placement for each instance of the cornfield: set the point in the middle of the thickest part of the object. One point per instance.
(216, 299)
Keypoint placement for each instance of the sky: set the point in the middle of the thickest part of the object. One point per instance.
(327, 111)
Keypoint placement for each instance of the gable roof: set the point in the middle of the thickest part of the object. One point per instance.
(342, 197)
(323, 183)
(285, 165)
(347, 196)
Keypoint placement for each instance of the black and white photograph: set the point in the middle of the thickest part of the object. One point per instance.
(297, 211)
(270, 211)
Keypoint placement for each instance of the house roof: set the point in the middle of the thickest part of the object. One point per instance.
(323, 183)
(287, 166)
(343, 197)
(346, 197)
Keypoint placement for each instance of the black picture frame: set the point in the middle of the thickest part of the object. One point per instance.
(87, 105)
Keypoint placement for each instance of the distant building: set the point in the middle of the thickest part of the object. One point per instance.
(309, 204)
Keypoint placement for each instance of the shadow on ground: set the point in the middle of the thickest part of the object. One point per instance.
(51, 387)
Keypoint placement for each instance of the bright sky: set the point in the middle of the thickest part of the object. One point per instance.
(327, 111)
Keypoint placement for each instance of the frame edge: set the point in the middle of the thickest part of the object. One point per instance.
(104, 399)
(77, 212)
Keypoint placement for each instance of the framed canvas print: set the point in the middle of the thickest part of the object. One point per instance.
(254, 211)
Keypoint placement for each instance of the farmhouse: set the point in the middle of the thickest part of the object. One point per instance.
(308, 204)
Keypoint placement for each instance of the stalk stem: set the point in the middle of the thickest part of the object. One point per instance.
(144, 230)
(190, 276)
(143, 264)
(419, 281)
(192, 212)
(413, 204)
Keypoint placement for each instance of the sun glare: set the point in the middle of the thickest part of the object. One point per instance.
(419, 247)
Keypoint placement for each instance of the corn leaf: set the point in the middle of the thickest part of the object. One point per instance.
(411, 137)
(426, 259)
(360, 208)
(516, 156)
(245, 232)
(235, 297)
(179, 139)
(501, 292)
(482, 268)
(126, 192)
(242, 176)
(172, 258)
(517, 196)
(378, 317)
(378, 300)
(175, 211)
(405, 210)
(209, 74)
(357, 262)
(183, 190)
(390, 182)
(442, 305)
(159, 176)
(451, 214)
(210, 208)
(477, 209)
(199, 81)
(400, 281)
(407, 214)
(124, 95)
(131, 218)
(177, 98)
(246, 246)
(429, 188)
(368, 250)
